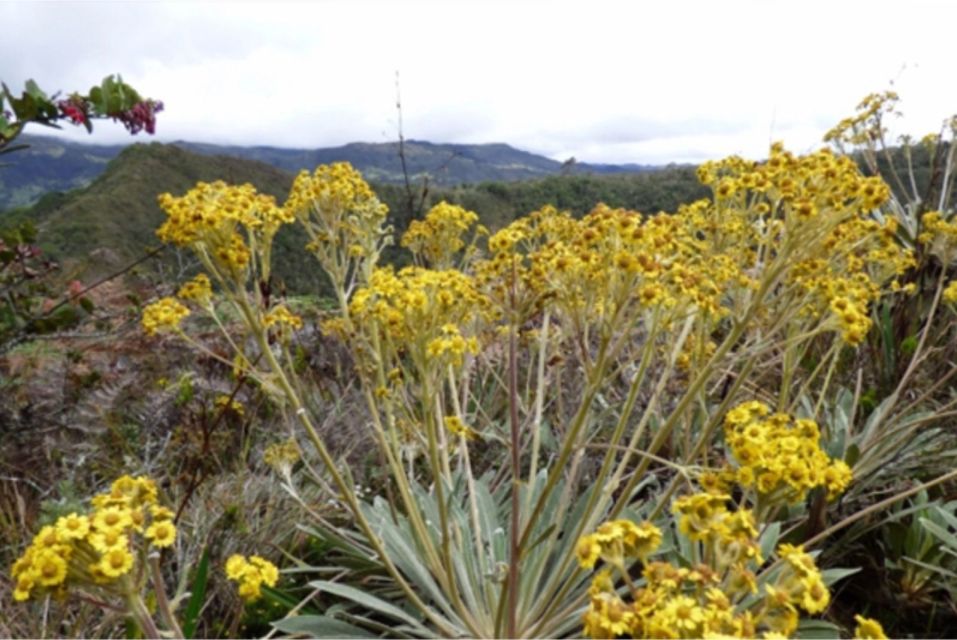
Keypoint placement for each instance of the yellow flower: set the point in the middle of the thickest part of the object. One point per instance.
(108, 539)
(868, 629)
(685, 614)
(49, 568)
(162, 533)
(73, 527)
(25, 583)
(950, 293)
(235, 566)
(268, 571)
(640, 540)
(116, 562)
(250, 590)
(110, 518)
(48, 538)
(588, 551)
(161, 513)
(816, 596)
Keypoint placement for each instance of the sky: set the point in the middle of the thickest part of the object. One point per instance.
(643, 82)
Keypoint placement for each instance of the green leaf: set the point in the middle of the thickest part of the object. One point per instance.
(830, 576)
(939, 532)
(320, 627)
(368, 601)
(98, 100)
(35, 92)
(946, 515)
(197, 595)
(769, 538)
(818, 629)
(852, 455)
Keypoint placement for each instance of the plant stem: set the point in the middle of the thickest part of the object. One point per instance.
(162, 602)
(514, 543)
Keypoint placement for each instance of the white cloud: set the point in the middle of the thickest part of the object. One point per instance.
(603, 81)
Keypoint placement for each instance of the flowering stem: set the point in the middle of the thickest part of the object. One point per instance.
(344, 489)
(514, 542)
(137, 609)
(162, 602)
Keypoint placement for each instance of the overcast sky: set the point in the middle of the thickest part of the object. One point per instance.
(645, 82)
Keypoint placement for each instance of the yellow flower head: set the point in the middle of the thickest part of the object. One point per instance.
(73, 527)
(112, 518)
(116, 562)
(282, 317)
(251, 575)
(49, 568)
(235, 565)
(588, 551)
(868, 629)
(199, 289)
(166, 314)
(162, 533)
(25, 583)
(108, 539)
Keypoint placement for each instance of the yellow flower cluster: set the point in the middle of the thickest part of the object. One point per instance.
(709, 599)
(819, 205)
(333, 189)
(940, 236)
(164, 314)
(610, 265)
(456, 427)
(862, 256)
(865, 126)
(211, 217)
(451, 345)
(617, 541)
(251, 574)
(438, 237)
(281, 316)
(704, 517)
(781, 457)
(341, 214)
(94, 550)
(199, 290)
(422, 311)
(799, 189)
(711, 255)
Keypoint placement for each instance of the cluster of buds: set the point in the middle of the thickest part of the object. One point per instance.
(140, 116)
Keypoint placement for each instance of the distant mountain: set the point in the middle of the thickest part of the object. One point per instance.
(112, 221)
(52, 164)
(48, 165)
